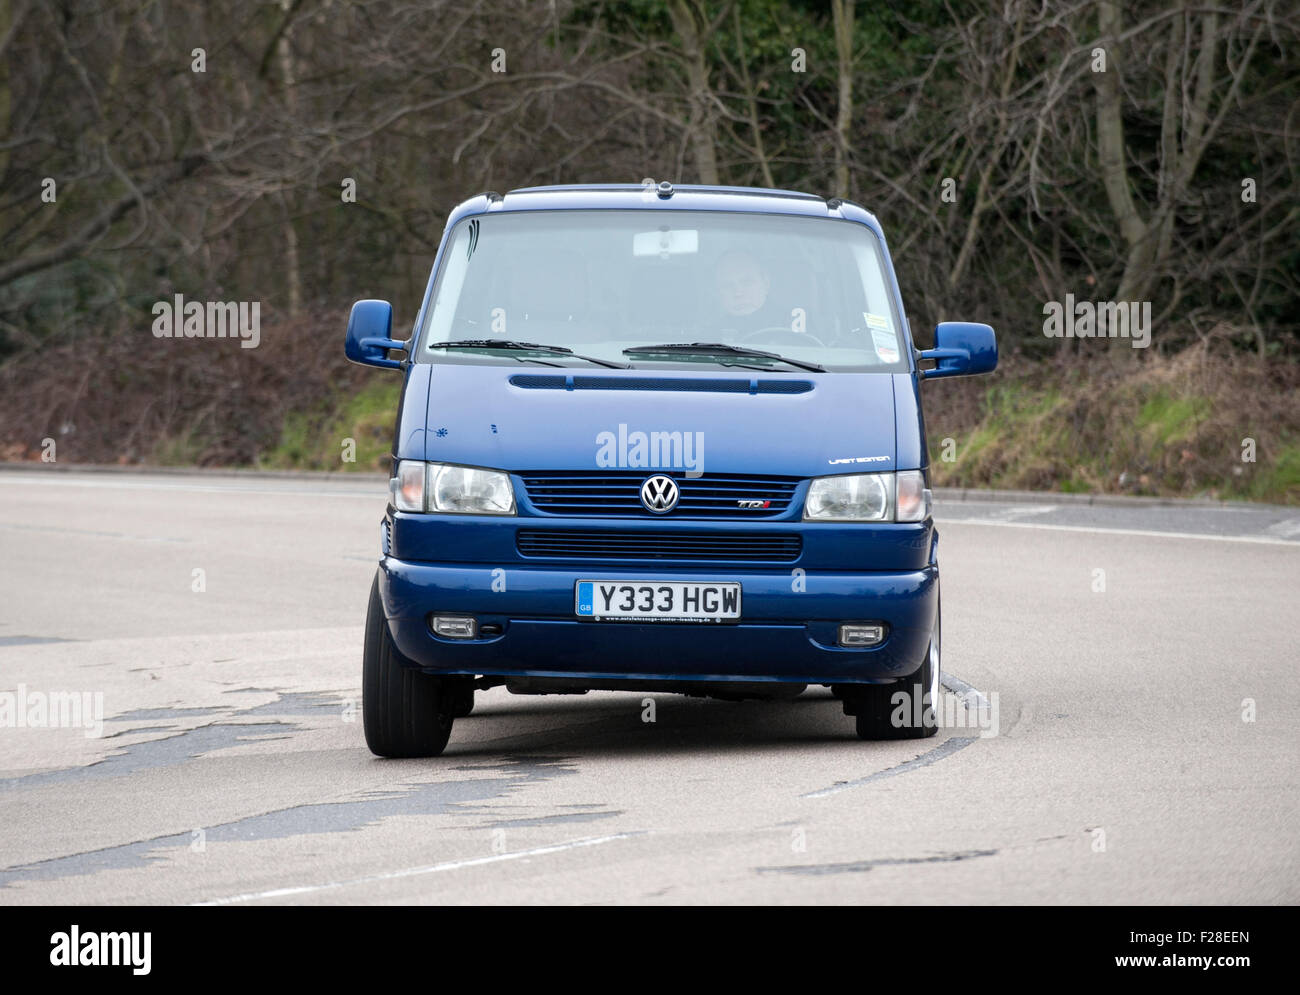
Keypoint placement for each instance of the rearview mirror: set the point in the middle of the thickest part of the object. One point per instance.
(666, 242)
(369, 338)
(961, 348)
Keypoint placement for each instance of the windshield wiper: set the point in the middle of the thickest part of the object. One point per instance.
(510, 344)
(721, 348)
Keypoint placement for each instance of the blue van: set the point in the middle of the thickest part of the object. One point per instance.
(657, 438)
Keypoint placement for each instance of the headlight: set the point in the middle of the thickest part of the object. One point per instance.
(467, 490)
(868, 497)
(461, 490)
(858, 497)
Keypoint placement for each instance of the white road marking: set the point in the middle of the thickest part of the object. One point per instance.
(451, 865)
(1286, 527)
(1261, 540)
(1020, 511)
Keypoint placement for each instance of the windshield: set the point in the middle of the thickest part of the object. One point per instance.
(752, 291)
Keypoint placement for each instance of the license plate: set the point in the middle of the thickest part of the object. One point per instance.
(657, 600)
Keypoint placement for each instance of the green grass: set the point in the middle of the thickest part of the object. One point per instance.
(314, 440)
(979, 441)
(178, 450)
(1278, 481)
(1129, 436)
(1019, 429)
(1171, 419)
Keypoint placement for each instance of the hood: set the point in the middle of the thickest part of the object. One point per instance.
(713, 420)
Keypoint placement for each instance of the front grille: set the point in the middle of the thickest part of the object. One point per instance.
(656, 545)
(617, 493)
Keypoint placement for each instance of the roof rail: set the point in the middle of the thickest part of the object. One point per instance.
(677, 188)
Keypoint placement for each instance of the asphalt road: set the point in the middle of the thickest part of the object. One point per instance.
(1142, 725)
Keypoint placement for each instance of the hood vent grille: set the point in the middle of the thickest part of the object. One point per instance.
(540, 381)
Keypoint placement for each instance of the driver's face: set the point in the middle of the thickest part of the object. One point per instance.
(742, 284)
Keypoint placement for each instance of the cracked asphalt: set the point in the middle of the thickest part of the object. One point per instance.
(1136, 665)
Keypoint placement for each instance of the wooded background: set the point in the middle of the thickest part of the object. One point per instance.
(1171, 176)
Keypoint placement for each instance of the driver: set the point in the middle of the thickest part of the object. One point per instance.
(742, 285)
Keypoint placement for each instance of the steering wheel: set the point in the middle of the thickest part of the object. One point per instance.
(770, 332)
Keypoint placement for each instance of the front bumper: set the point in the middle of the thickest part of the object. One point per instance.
(787, 632)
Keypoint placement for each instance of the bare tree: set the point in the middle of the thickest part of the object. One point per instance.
(842, 14)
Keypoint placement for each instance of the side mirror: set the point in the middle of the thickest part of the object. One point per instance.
(961, 348)
(370, 328)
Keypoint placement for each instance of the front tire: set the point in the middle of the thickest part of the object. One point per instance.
(904, 709)
(405, 713)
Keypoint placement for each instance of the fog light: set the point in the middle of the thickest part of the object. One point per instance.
(861, 634)
(455, 627)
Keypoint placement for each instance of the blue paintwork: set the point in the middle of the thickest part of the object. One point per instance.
(784, 637)
(827, 546)
(459, 564)
(557, 429)
(411, 427)
(370, 335)
(961, 348)
(909, 424)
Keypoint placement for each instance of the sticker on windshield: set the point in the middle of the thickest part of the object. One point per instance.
(886, 345)
(876, 321)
